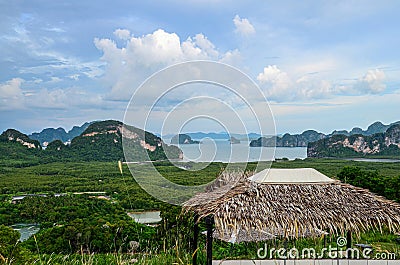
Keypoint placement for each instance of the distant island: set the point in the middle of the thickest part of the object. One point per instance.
(288, 140)
(381, 144)
(218, 136)
(183, 139)
(234, 140)
(310, 136)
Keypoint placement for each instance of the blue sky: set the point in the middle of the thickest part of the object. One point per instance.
(322, 65)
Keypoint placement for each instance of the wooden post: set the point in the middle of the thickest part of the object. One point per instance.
(195, 238)
(348, 245)
(209, 223)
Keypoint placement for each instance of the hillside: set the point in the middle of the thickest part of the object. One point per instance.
(288, 140)
(374, 128)
(103, 141)
(100, 141)
(18, 149)
(49, 135)
(340, 145)
(302, 140)
(13, 135)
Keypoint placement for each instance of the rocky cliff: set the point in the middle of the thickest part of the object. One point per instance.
(339, 145)
(288, 140)
(16, 136)
(101, 141)
(49, 135)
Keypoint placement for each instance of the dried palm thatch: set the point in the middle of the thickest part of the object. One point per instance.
(242, 236)
(292, 209)
(254, 235)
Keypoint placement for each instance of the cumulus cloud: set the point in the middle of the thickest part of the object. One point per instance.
(123, 34)
(128, 66)
(11, 89)
(243, 26)
(313, 88)
(11, 94)
(275, 83)
(372, 82)
(280, 86)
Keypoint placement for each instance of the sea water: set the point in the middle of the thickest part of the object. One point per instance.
(223, 151)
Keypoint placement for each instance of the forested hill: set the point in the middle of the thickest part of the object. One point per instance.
(101, 141)
(376, 127)
(302, 140)
(288, 140)
(12, 135)
(49, 135)
(377, 145)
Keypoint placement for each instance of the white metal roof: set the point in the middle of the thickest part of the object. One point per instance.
(290, 176)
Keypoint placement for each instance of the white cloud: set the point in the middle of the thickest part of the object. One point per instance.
(11, 94)
(55, 29)
(123, 34)
(206, 46)
(312, 88)
(11, 89)
(74, 77)
(14, 97)
(243, 26)
(127, 67)
(55, 79)
(71, 65)
(37, 80)
(275, 83)
(62, 98)
(372, 82)
(281, 87)
(271, 74)
(232, 57)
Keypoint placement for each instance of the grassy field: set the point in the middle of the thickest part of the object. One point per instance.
(105, 176)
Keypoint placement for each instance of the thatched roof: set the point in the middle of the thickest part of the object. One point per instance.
(253, 235)
(293, 209)
(242, 236)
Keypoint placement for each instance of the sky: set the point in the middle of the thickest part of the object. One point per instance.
(321, 65)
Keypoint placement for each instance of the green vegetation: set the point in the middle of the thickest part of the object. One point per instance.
(288, 140)
(16, 136)
(10, 250)
(388, 187)
(379, 145)
(83, 229)
(101, 141)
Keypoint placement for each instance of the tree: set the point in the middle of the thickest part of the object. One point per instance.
(350, 175)
(9, 247)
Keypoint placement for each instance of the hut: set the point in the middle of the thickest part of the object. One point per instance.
(290, 203)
